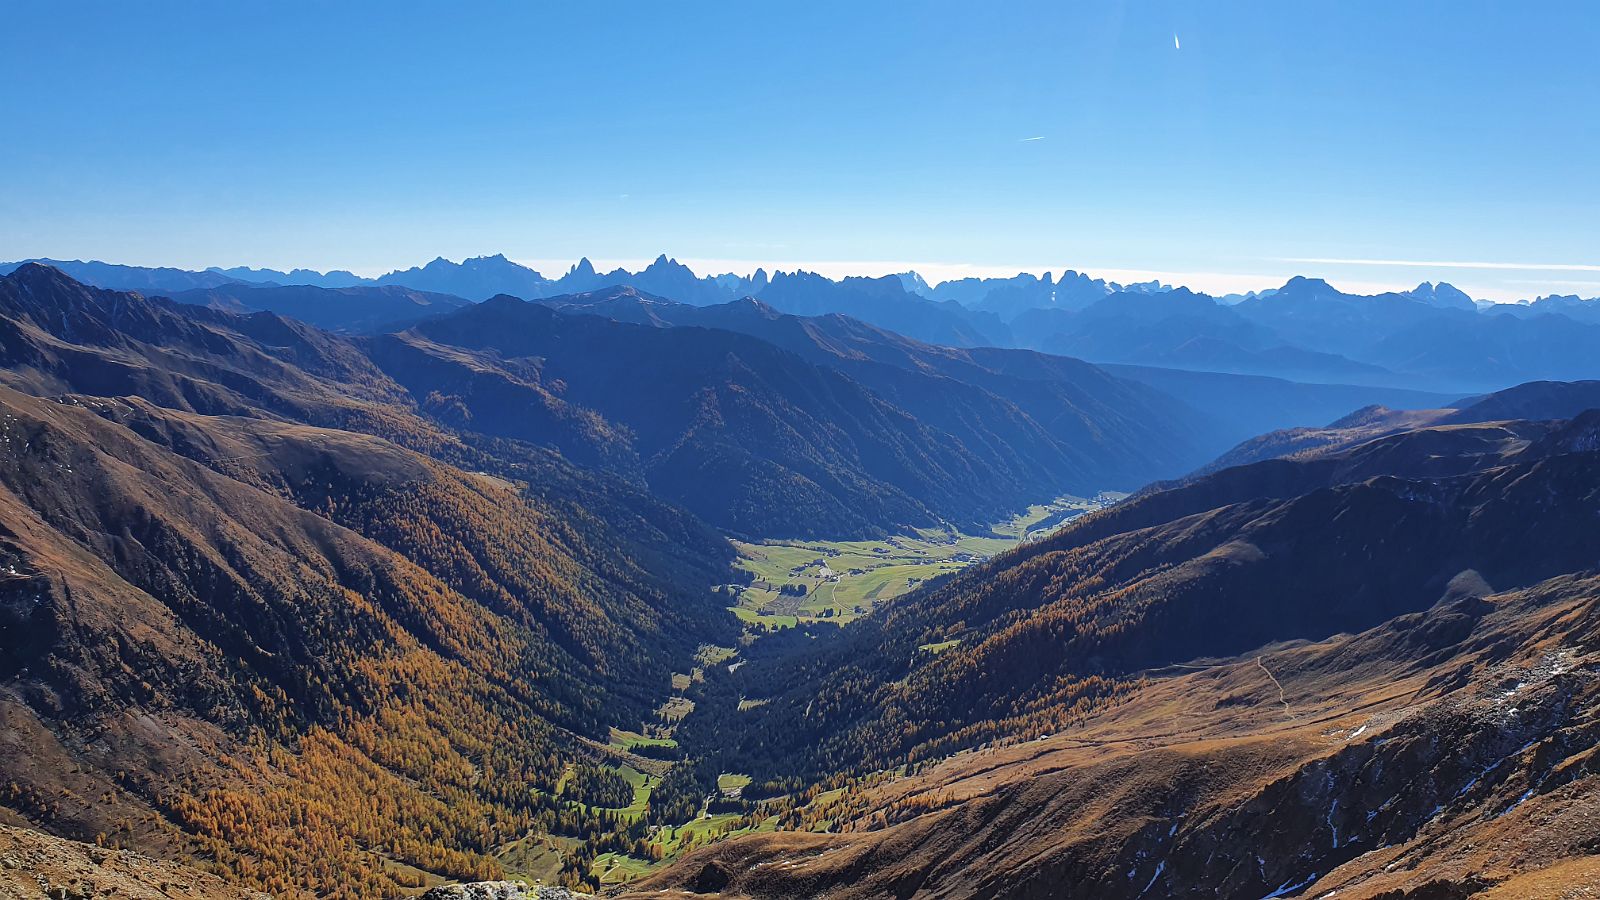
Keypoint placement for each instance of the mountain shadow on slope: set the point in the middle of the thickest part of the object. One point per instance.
(352, 310)
(1056, 414)
(755, 438)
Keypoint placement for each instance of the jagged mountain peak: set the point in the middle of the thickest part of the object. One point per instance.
(40, 274)
(54, 299)
(1442, 294)
(915, 283)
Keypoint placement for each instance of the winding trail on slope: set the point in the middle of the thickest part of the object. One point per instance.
(1282, 697)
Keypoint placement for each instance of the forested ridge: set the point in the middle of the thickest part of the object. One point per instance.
(332, 645)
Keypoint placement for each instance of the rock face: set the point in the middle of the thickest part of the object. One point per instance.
(35, 865)
(500, 890)
(480, 890)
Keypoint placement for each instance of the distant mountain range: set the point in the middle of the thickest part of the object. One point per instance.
(1433, 337)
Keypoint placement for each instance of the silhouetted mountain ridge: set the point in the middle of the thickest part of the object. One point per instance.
(720, 420)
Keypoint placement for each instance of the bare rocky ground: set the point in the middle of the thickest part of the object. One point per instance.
(500, 890)
(35, 866)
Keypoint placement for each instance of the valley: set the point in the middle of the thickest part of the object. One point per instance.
(839, 581)
(1142, 737)
(871, 573)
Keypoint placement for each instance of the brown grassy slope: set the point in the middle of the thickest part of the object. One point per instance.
(1369, 423)
(150, 584)
(1536, 401)
(35, 866)
(58, 336)
(600, 618)
(206, 668)
(1439, 755)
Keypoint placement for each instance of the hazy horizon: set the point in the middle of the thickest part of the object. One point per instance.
(934, 273)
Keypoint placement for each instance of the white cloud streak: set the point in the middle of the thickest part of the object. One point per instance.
(1444, 264)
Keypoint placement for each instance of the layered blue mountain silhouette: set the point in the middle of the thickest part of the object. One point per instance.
(1433, 337)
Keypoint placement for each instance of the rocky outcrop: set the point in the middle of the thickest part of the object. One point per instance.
(480, 890)
(500, 890)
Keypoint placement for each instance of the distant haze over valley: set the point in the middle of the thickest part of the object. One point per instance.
(1357, 276)
(1432, 336)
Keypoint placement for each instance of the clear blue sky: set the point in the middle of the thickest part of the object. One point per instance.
(875, 134)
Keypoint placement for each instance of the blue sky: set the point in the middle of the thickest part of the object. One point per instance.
(842, 136)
